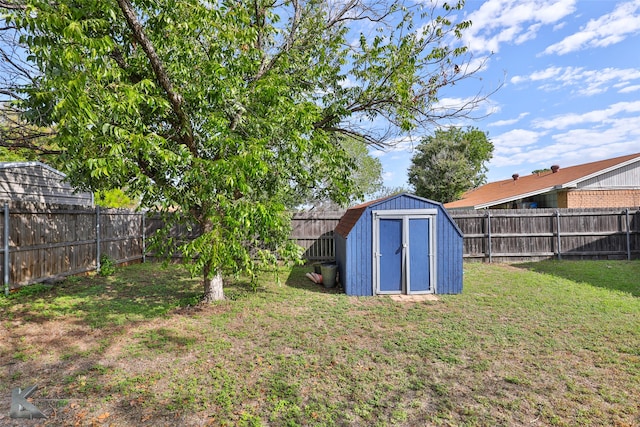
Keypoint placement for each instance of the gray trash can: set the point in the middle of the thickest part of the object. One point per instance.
(329, 272)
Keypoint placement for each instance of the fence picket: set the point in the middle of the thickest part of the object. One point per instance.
(43, 241)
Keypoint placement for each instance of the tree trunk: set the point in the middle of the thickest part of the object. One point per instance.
(213, 286)
(211, 276)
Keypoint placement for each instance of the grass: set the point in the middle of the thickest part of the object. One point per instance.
(550, 343)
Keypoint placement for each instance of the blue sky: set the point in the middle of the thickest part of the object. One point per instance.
(570, 75)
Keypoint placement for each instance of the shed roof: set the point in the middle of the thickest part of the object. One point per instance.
(353, 214)
(509, 190)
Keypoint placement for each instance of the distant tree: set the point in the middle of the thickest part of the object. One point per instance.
(385, 191)
(221, 110)
(537, 171)
(21, 141)
(115, 198)
(365, 173)
(367, 170)
(449, 163)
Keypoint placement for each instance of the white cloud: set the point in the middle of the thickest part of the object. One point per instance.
(512, 21)
(513, 141)
(600, 117)
(606, 30)
(619, 131)
(508, 122)
(559, 26)
(629, 89)
(348, 82)
(476, 107)
(611, 138)
(584, 82)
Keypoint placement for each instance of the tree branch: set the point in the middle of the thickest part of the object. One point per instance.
(161, 74)
(11, 6)
(17, 68)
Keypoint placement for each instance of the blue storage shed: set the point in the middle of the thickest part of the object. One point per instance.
(403, 244)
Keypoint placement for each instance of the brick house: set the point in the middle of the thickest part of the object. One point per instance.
(611, 183)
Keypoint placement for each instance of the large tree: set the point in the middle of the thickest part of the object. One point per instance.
(365, 174)
(19, 139)
(449, 163)
(220, 110)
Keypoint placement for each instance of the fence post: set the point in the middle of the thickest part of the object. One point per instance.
(6, 249)
(626, 212)
(144, 237)
(98, 239)
(558, 230)
(489, 235)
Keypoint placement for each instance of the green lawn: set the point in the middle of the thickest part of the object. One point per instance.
(550, 343)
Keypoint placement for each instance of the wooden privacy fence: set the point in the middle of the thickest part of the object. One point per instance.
(45, 241)
(534, 234)
(511, 235)
(314, 232)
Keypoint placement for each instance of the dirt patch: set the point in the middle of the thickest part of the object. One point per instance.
(414, 298)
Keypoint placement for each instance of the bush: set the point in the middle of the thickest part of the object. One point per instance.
(107, 266)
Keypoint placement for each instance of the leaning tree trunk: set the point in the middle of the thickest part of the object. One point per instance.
(213, 289)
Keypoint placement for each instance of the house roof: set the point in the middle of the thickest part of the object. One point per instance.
(14, 165)
(509, 190)
(40, 183)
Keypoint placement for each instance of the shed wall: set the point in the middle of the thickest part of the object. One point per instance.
(359, 268)
(449, 257)
(355, 258)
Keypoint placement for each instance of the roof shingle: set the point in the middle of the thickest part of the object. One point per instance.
(508, 190)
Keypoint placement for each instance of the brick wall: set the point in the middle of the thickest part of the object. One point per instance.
(601, 199)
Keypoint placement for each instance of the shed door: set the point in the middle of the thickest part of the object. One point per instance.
(391, 255)
(419, 255)
(403, 253)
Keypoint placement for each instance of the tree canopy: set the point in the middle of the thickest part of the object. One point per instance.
(365, 174)
(449, 163)
(222, 110)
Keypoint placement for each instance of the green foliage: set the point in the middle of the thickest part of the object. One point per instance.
(538, 171)
(115, 198)
(449, 163)
(107, 266)
(7, 155)
(36, 289)
(365, 172)
(390, 191)
(225, 111)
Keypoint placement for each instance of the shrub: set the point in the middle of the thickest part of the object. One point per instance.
(107, 266)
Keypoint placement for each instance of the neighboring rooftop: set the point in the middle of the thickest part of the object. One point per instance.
(39, 183)
(522, 187)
